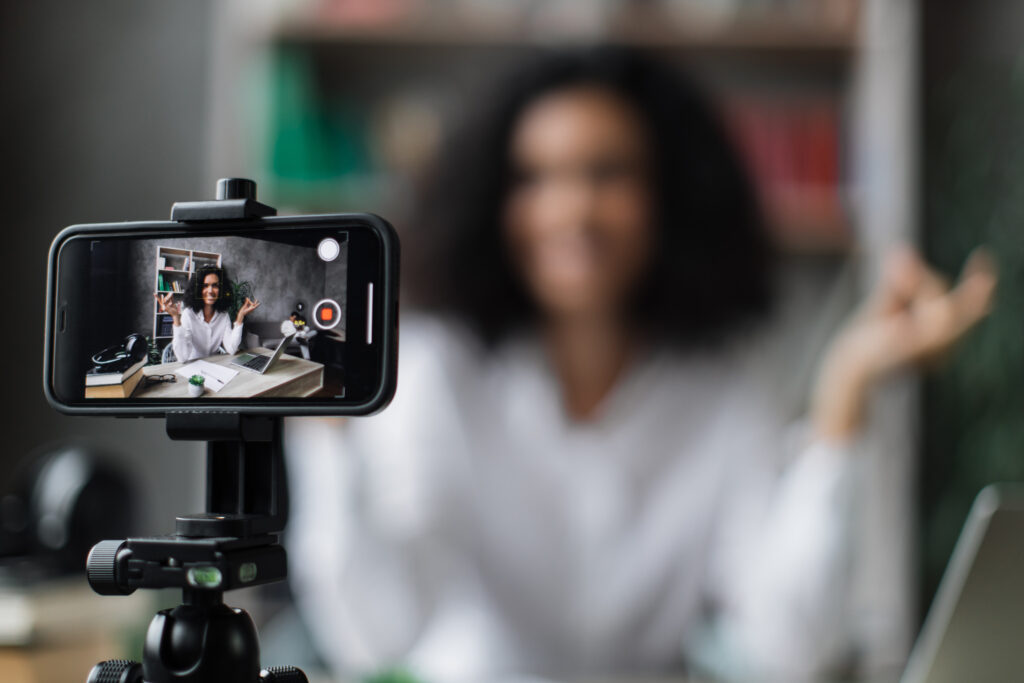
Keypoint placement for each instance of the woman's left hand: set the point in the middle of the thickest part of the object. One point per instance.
(914, 316)
(248, 307)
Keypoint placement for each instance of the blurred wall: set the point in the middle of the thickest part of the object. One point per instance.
(973, 170)
(104, 106)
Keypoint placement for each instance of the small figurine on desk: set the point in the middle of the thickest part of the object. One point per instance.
(296, 324)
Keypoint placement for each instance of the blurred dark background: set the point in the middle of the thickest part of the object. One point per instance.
(105, 120)
(972, 166)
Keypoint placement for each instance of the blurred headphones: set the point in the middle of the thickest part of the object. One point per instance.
(60, 502)
(133, 349)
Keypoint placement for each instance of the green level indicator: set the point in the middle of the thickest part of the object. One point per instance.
(204, 577)
(247, 572)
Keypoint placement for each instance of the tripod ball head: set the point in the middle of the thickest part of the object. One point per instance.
(201, 641)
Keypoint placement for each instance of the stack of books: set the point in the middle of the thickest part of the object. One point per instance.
(101, 383)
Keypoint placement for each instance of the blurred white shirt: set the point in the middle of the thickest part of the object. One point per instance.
(474, 530)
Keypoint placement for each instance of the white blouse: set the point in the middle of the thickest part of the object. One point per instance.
(196, 338)
(473, 530)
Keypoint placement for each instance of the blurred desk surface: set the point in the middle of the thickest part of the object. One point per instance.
(57, 630)
(322, 677)
(290, 376)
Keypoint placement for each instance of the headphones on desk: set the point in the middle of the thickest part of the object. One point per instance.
(133, 349)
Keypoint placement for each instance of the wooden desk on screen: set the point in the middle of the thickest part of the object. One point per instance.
(289, 377)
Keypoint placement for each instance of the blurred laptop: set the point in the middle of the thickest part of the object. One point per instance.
(260, 362)
(974, 630)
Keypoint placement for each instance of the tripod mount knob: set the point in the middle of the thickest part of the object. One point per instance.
(283, 674)
(116, 671)
(101, 568)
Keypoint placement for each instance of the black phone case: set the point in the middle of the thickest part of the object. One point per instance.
(388, 370)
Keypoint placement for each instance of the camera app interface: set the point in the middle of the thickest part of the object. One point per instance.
(218, 317)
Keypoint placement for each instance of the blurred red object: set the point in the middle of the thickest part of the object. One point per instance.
(792, 149)
(365, 12)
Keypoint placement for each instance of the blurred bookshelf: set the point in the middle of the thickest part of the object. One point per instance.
(347, 101)
(642, 27)
(174, 267)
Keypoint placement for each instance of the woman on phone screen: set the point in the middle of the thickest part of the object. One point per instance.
(201, 322)
(585, 471)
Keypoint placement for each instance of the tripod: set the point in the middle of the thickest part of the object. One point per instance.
(232, 545)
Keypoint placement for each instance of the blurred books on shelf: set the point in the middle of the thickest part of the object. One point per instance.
(792, 146)
(780, 24)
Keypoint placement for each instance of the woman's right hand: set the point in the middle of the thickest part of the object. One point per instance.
(913, 317)
(169, 306)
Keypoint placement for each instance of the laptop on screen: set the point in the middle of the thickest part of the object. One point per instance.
(260, 362)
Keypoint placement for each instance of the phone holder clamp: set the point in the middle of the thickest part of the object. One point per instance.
(236, 200)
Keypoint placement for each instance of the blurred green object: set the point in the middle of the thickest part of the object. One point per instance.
(392, 676)
(152, 351)
(974, 405)
(314, 143)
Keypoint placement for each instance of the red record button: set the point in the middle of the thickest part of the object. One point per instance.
(327, 314)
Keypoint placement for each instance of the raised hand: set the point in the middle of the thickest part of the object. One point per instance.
(247, 307)
(914, 316)
(169, 306)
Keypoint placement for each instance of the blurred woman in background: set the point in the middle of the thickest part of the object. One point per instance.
(584, 469)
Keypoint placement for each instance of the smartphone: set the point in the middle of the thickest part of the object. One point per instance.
(291, 315)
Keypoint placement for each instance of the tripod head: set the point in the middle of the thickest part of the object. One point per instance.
(233, 544)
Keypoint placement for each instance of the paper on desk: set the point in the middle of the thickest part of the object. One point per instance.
(216, 376)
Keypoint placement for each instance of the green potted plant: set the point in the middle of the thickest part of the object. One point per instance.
(240, 291)
(195, 386)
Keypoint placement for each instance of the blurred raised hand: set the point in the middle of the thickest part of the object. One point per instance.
(914, 316)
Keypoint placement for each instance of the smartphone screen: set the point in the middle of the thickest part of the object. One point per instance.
(290, 313)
